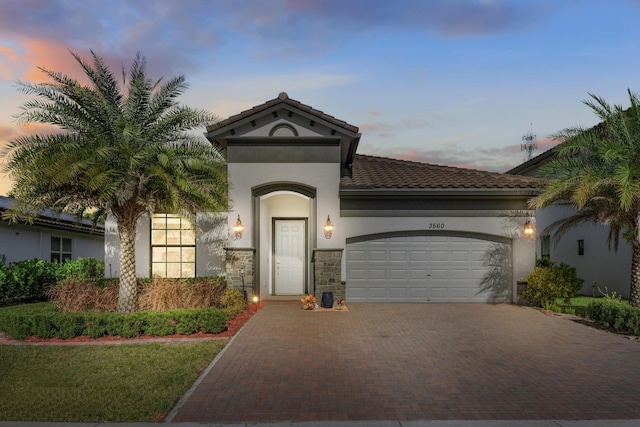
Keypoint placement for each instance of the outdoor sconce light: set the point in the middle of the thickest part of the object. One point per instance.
(328, 228)
(528, 229)
(238, 228)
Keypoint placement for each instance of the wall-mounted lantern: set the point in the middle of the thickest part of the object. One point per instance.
(238, 229)
(328, 228)
(528, 229)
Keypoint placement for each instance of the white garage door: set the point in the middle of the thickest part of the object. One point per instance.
(420, 269)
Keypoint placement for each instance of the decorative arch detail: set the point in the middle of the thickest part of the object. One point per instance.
(263, 189)
(467, 234)
(283, 126)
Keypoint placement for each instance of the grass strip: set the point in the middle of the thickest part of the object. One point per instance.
(111, 383)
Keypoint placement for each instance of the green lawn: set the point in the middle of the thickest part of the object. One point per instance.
(111, 383)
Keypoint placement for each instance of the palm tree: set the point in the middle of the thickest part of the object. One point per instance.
(597, 172)
(124, 150)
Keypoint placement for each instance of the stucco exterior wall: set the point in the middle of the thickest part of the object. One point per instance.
(324, 177)
(23, 242)
(602, 268)
(210, 242)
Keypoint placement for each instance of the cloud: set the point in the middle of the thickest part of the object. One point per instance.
(184, 36)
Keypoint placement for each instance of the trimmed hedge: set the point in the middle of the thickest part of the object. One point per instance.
(615, 313)
(54, 324)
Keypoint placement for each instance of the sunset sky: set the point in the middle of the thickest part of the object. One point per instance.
(455, 82)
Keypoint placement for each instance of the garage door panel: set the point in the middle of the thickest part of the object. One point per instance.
(377, 255)
(418, 256)
(418, 274)
(357, 255)
(395, 255)
(357, 274)
(417, 268)
(377, 274)
(397, 293)
(398, 274)
(438, 256)
(419, 293)
(457, 274)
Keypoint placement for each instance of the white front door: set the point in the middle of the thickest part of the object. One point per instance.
(289, 257)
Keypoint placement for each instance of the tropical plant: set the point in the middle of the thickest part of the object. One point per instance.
(550, 281)
(123, 150)
(597, 172)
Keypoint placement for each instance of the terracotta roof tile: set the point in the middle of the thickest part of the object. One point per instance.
(283, 98)
(384, 173)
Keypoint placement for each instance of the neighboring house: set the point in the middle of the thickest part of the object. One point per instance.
(585, 247)
(51, 236)
(309, 215)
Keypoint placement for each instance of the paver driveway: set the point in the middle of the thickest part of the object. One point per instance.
(418, 362)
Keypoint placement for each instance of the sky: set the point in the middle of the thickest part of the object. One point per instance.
(452, 82)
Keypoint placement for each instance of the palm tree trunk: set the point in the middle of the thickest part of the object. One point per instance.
(127, 296)
(634, 293)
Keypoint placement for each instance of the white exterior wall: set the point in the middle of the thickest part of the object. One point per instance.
(600, 267)
(23, 242)
(324, 177)
(210, 259)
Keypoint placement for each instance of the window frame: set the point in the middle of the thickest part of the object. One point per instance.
(175, 227)
(61, 255)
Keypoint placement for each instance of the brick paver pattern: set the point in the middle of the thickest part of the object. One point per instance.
(418, 362)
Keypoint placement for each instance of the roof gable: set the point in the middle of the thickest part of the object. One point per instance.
(284, 118)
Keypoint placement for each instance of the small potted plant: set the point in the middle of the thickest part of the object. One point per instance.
(309, 302)
(339, 303)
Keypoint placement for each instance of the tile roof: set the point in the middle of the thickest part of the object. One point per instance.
(283, 98)
(369, 172)
(51, 218)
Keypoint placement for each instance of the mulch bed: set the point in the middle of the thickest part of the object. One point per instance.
(234, 326)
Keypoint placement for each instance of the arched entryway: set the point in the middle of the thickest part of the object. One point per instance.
(284, 214)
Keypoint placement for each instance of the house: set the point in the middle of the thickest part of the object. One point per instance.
(585, 247)
(310, 214)
(51, 236)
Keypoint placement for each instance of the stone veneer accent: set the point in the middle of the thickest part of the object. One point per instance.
(241, 258)
(327, 277)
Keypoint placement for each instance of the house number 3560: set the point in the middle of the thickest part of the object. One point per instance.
(436, 225)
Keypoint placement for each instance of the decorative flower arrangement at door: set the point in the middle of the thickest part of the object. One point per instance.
(309, 302)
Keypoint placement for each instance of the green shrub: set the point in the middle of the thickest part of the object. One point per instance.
(159, 323)
(83, 268)
(551, 281)
(615, 313)
(233, 302)
(52, 323)
(211, 320)
(27, 280)
(186, 321)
